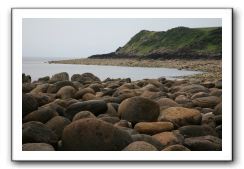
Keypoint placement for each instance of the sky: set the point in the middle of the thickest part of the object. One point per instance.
(83, 37)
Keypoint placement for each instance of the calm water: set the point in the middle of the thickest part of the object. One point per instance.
(37, 69)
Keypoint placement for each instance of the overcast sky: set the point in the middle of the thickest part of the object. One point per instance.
(74, 38)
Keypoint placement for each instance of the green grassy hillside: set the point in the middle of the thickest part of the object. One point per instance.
(179, 42)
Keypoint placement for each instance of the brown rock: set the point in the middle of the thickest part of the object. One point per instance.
(209, 101)
(199, 94)
(82, 115)
(66, 92)
(194, 88)
(57, 124)
(203, 143)
(37, 147)
(138, 109)
(81, 92)
(149, 139)
(169, 138)
(218, 109)
(196, 130)
(41, 115)
(153, 127)
(37, 132)
(180, 116)
(140, 146)
(29, 104)
(41, 88)
(60, 77)
(89, 96)
(91, 134)
(176, 147)
(95, 106)
(166, 103)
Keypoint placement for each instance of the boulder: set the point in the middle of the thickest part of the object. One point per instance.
(169, 138)
(183, 100)
(54, 88)
(27, 87)
(66, 92)
(203, 143)
(60, 77)
(208, 119)
(199, 94)
(91, 134)
(176, 147)
(41, 88)
(81, 92)
(149, 139)
(153, 127)
(82, 115)
(85, 78)
(139, 109)
(181, 116)
(95, 106)
(196, 131)
(37, 132)
(166, 103)
(89, 96)
(41, 115)
(26, 78)
(44, 79)
(57, 124)
(218, 109)
(29, 104)
(140, 146)
(37, 147)
(194, 88)
(209, 101)
(216, 92)
(43, 98)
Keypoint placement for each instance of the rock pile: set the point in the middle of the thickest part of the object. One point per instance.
(87, 114)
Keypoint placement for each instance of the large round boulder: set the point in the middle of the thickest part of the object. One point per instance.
(29, 104)
(181, 116)
(37, 132)
(95, 106)
(140, 146)
(209, 101)
(91, 134)
(41, 115)
(57, 124)
(139, 109)
(153, 127)
(66, 92)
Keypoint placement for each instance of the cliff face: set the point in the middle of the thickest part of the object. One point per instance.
(179, 42)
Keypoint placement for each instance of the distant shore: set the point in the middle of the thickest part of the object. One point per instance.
(212, 68)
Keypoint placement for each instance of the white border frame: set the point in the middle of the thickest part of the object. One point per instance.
(19, 155)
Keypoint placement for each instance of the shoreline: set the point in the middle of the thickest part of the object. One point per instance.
(212, 69)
